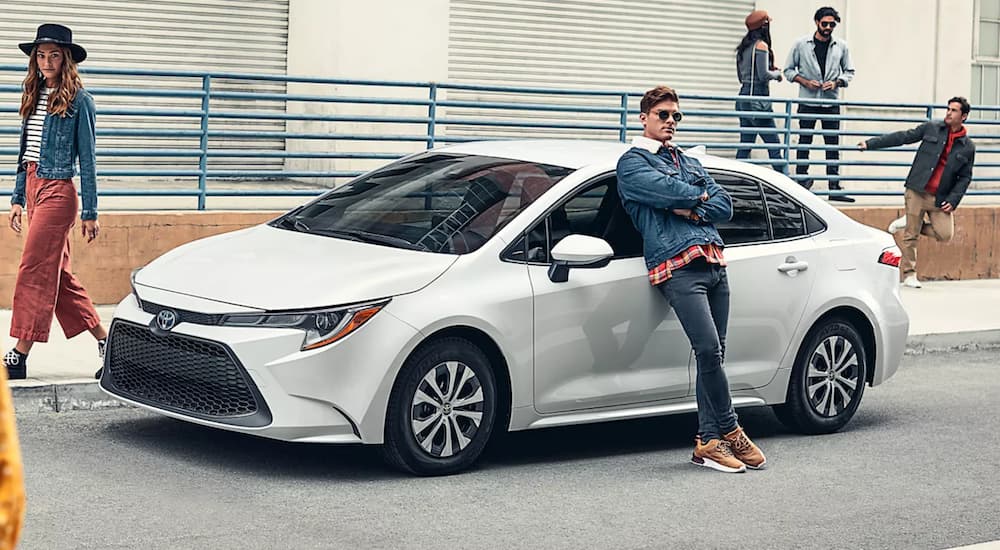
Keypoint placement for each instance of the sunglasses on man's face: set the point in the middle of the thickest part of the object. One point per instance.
(828, 24)
(664, 115)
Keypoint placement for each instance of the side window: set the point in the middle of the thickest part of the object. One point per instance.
(749, 223)
(587, 213)
(787, 220)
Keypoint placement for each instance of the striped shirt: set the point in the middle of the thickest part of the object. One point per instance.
(663, 272)
(36, 121)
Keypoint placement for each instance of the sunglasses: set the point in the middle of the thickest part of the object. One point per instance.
(664, 115)
(828, 24)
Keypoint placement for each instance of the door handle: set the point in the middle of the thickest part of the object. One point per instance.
(792, 266)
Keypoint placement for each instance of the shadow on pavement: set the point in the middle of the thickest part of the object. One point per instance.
(200, 446)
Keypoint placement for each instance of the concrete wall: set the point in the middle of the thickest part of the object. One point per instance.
(130, 240)
(370, 40)
(917, 51)
(127, 241)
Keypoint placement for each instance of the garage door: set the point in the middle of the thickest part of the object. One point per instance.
(592, 44)
(236, 36)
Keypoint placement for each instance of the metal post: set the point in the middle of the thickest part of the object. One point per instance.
(431, 115)
(930, 112)
(788, 137)
(206, 84)
(623, 130)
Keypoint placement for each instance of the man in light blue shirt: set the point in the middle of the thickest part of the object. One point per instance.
(820, 64)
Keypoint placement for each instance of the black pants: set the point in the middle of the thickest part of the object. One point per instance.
(831, 139)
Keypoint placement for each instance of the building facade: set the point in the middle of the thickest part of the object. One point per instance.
(919, 51)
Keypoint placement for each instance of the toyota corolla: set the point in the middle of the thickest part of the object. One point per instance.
(460, 292)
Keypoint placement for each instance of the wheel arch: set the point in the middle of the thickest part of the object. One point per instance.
(498, 362)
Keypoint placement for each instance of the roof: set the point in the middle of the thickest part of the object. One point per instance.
(569, 153)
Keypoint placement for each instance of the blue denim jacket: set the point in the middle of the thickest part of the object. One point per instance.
(802, 61)
(64, 139)
(651, 185)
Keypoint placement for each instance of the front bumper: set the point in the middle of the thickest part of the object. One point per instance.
(256, 380)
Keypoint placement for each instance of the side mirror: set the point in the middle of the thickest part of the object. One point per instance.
(578, 251)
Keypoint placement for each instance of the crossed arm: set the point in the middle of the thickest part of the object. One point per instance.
(640, 182)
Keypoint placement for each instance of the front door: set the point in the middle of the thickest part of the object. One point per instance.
(605, 337)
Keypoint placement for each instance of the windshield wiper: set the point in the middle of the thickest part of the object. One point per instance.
(373, 238)
(294, 222)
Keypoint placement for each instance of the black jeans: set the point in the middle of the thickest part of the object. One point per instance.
(831, 139)
(699, 296)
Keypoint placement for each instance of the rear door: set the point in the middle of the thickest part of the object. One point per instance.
(773, 265)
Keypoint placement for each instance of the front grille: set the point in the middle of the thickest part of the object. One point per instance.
(183, 374)
(183, 315)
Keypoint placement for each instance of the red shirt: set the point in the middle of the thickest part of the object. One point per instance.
(663, 272)
(932, 184)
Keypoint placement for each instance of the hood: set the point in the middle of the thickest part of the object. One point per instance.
(268, 268)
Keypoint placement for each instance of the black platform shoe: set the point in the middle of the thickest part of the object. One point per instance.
(839, 198)
(17, 365)
(101, 345)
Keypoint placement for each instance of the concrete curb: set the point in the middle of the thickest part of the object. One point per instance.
(83, 394)
(62, 396)
(917, 344)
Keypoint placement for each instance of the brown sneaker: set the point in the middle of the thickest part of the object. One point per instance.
(717, 455)
(745, 450)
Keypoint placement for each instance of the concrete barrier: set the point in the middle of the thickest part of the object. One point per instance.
(973, 253)
(132, 239)
(128, 240)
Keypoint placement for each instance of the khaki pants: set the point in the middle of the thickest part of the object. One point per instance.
(941, 226)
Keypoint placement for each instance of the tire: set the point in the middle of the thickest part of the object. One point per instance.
(820, 399)
(431, 430)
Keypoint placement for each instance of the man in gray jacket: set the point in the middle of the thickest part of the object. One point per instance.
(820, 64)
(939, 177)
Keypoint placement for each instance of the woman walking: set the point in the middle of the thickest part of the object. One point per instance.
(755, 68)
(58, 129)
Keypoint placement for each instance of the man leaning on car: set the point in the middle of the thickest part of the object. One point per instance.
(675, 204)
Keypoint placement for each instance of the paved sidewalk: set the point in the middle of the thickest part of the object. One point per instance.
(943, 315)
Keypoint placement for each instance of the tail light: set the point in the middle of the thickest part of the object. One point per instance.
(891, 256)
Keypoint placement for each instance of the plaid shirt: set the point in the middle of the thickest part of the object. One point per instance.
(711, 253)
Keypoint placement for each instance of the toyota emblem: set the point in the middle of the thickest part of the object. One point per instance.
(166, 319)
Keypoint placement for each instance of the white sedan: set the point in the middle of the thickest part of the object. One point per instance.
(469, 290)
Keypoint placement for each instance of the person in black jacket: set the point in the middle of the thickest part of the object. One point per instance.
(939, 177)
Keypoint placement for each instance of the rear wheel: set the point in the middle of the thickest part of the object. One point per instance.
(827, 381)
(442, 409)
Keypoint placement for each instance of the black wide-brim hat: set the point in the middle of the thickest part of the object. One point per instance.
(50, 33)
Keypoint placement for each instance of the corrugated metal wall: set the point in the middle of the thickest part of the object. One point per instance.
(245, 36)
(594, 44)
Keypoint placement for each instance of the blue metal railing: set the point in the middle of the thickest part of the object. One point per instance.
(435, 113)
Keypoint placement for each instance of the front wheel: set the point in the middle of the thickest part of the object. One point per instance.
(827, 381)
(442, 409)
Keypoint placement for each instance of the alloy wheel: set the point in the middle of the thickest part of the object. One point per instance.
(833, 376)
(447, 409)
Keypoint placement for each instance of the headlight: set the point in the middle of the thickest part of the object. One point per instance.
(322, 326)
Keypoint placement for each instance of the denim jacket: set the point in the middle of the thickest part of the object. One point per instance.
(802, 61)
(64, 139)
(651, 184)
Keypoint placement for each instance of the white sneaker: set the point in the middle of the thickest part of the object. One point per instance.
(897, 225)
(912, 282)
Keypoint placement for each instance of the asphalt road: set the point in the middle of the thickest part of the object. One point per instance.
(916, 468)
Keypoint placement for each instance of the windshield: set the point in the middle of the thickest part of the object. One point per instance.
(437, 202)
